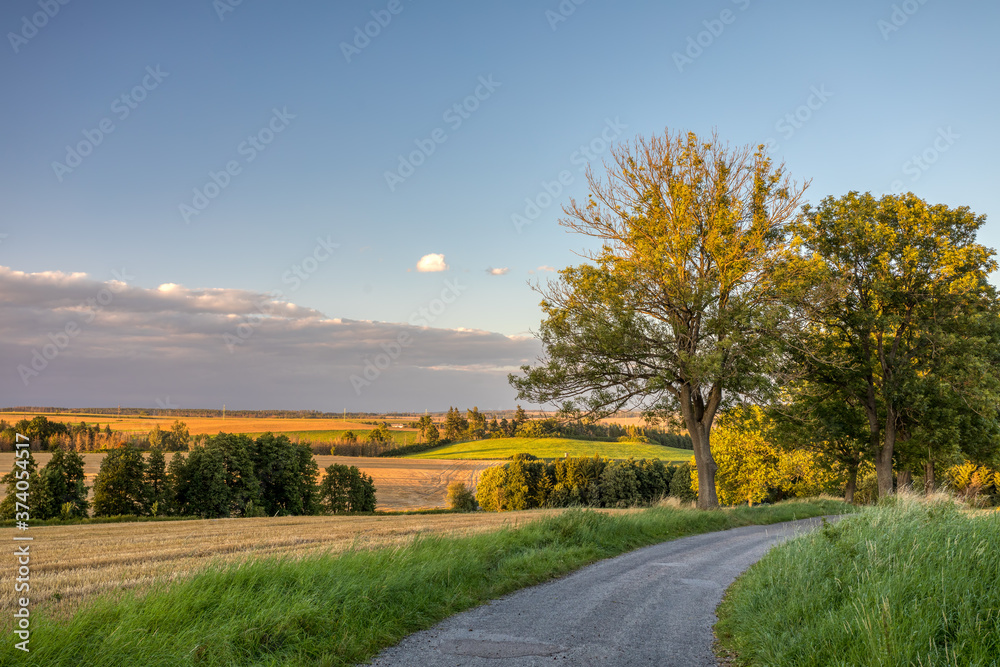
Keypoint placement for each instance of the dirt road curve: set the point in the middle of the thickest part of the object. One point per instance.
(655, 606)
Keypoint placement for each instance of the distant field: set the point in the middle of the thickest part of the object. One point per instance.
(400, 484)
(399, 436)
(198, 425)
(550, 448)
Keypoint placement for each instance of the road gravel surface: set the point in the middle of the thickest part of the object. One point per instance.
(653, 606)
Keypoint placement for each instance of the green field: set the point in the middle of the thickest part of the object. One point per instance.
(399, 437)
(552, 448)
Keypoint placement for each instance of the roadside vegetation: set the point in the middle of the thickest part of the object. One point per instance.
(340, 610)
(906, 582)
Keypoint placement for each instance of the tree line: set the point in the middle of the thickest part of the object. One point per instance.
(528, 483)
(228, 475)
(475, 425)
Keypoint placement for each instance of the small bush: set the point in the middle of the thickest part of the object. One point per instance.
(680, 483)
(460, 498)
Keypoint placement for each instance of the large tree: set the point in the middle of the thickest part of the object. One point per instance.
(119, 488)
(679, 310)
(61, 487)
(903, 314)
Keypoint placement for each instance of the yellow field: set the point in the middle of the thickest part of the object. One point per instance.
(71, 563)
(197, 425)
(401, 484)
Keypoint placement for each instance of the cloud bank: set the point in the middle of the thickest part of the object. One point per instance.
(67, 339)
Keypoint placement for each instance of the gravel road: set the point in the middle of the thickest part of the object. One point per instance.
(654, 606)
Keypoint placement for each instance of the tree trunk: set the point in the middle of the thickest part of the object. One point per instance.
(929, 477)
(705, 462)
(905, 479)
(698, 416)
(852, 483)
(883, 457)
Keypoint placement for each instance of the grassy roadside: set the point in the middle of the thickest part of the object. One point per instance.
(903, 583)
(339, 610)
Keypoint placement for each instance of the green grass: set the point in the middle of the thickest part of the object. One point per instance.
(552, 448)
(342, 609)
(904, 583)
(400, 437)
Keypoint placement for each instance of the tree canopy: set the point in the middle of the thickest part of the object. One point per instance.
(680, 310)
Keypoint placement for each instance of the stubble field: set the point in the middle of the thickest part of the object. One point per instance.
(73, 563)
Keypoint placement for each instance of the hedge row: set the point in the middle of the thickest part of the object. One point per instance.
(528, 483)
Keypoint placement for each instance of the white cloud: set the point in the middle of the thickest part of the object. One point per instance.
(545, 267)
(498, 272)
(143, 344)
(432, 262)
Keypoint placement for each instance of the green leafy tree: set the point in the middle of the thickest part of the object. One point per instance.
(287, 475)
(900, 289)
(432, 436)
(157, 438)
(157, 500)
(119, 488)
(380, 435)
(827, 420)
(460, 498)
(681, 310)
(455, 426)
(423, 424)
(180, 437)
(476, 429)
(25, 471)
(61, 489)
(199, 482)
(347, 489)
(240, 477)
(175, 501)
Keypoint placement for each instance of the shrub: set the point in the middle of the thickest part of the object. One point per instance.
(526, 484)
(619, 484)
(460, 498)
(490, 490)
(680, 483)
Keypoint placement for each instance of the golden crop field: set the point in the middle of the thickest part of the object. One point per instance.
(401, 484)
(73, 563)
(196, 425)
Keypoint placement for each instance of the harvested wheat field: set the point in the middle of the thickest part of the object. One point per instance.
(71, 563)
(196, 425)
(401, 484)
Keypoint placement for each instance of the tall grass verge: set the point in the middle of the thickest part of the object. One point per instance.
(339, 610)
(907, 582)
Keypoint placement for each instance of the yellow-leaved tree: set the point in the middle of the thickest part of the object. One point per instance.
(752, 469)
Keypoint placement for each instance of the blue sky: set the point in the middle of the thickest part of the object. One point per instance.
(848, 94)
